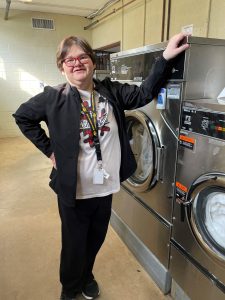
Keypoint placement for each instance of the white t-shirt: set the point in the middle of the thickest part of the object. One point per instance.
(110, 150)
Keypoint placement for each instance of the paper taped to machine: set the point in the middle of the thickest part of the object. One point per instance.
(221, 97)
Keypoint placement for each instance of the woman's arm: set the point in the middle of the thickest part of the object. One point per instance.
(28, 118)
(133, 96)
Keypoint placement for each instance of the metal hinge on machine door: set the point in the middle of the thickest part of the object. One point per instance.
(159, 163)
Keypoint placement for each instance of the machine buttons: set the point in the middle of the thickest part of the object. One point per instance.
(203, 121)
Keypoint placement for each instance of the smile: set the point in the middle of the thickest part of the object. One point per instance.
(78, 70)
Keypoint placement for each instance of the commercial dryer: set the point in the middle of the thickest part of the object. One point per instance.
(142, 210)
(198, 237)
(197, 262)
(143, 207)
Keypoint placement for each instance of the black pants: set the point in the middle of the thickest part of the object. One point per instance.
(84, 228)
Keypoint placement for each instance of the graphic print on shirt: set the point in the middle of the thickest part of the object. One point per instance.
(102, 120)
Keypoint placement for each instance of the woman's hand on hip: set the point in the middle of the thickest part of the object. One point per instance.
(52, 157)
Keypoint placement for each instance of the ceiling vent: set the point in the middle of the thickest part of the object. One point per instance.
(43, 24)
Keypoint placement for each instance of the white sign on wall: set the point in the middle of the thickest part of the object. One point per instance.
(187, 29)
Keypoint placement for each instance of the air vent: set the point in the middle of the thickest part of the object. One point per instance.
(43, 24)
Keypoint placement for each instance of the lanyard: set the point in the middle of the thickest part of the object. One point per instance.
(92, 119)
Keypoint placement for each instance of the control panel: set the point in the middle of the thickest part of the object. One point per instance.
(204, 121)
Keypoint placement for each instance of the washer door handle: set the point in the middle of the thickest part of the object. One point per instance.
(159, 163)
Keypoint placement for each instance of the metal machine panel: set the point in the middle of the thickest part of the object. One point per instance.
(144, 223)
(191, 279)
(204, 68)
(159, 197)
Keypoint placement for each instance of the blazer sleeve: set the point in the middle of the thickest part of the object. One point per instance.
(28, 117)
(132, 96)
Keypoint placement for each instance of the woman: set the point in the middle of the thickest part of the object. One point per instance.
(89, 149)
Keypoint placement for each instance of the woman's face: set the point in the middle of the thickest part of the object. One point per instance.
(80, 73)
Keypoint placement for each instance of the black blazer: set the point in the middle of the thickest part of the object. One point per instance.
(60, 108)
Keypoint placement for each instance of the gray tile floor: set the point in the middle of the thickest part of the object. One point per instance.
(30, 236)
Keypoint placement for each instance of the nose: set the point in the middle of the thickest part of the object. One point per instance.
(77, 62)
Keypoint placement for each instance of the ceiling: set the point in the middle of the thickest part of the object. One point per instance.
(69, 7)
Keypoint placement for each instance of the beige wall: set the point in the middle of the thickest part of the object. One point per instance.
(109, 30)
(140, 23)
(133, 25)
(27, 59)
(217, 19)
(186, 12)
(27, 56)
(153, 25)
(137, 24)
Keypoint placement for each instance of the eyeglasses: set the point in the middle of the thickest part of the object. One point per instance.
(82, 59)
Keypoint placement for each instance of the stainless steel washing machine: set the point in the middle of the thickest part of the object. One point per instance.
(198, 236)
(197, 262)
(144, 204)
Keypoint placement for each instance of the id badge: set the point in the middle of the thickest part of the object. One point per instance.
(98, 177)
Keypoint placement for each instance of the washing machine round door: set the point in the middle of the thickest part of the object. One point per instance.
(144, 143)
(207, 213)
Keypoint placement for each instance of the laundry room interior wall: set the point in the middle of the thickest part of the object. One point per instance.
(188, 12)
(109, 30)
(140, 22)
(27, 59)
(133, 24)
(153, 22)
(27, 56)
(217, 19)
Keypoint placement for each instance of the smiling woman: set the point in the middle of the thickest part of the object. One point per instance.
(76, 60)
(89, 150)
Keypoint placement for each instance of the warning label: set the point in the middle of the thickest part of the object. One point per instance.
(187, 142)
(181, 192)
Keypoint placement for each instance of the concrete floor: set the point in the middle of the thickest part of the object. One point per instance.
(30, 236)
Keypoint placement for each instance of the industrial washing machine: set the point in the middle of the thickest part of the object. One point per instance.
(197, 262)
(198, 238)
(142, 210)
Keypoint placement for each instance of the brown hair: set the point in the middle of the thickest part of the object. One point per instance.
(65, 46)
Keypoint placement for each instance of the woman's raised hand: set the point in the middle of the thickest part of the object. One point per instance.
(176, 45)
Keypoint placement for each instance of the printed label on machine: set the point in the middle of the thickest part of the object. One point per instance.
(186, 142)
(181, 192)
(161, 99)
(173, 91)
